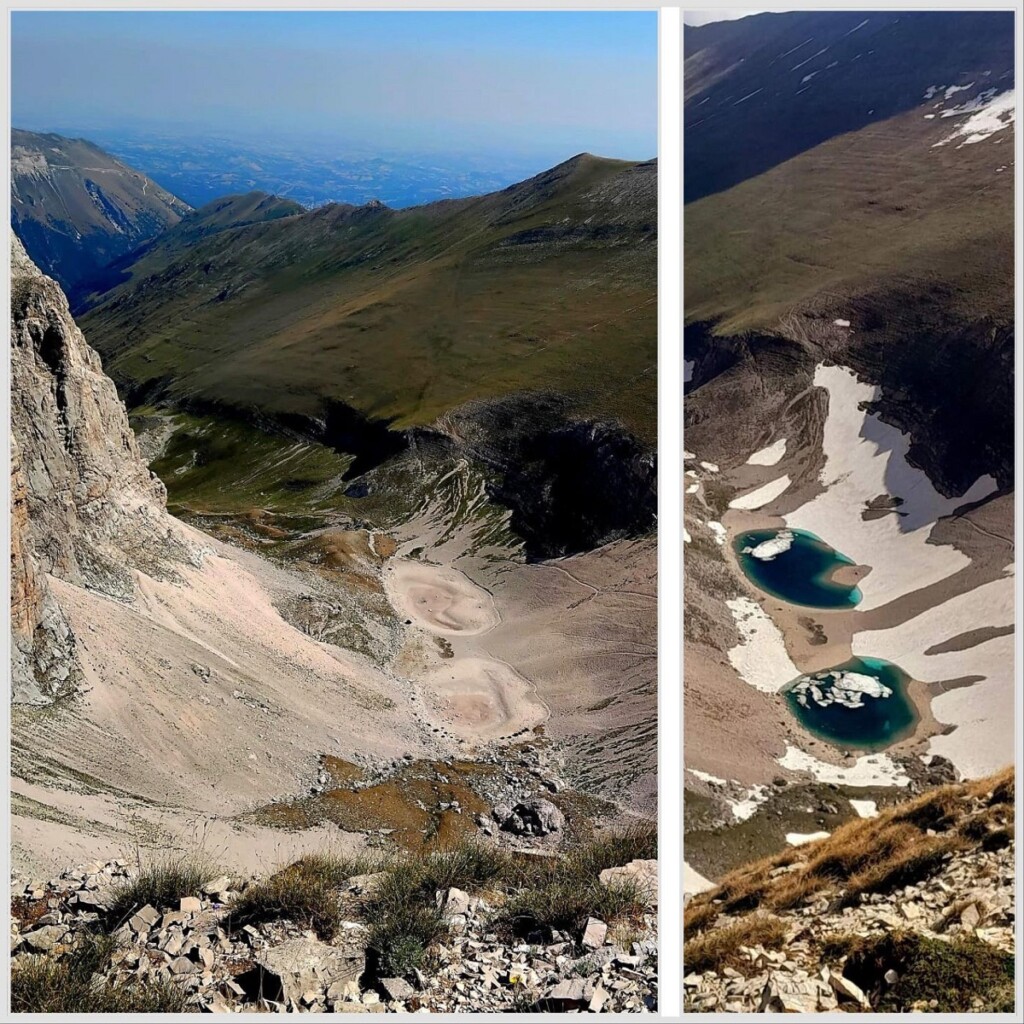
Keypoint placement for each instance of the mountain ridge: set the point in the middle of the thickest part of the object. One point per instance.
(76, 208)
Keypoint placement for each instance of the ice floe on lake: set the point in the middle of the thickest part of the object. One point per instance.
(835, 687)
(770, 549)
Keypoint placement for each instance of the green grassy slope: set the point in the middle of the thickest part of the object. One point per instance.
(403, 315)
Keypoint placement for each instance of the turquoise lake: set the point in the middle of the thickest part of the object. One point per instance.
(795, 566)
(861, 704)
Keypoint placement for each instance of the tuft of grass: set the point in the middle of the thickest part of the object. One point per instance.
(916, 861)
(161, 885)
(68, 984)
(399, 939)
(699, 915)
(962, 976)
(306, 893)
(561, 893)
(719, 947)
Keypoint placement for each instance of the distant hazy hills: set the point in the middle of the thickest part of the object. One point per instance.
(402, 315)
(76, 208)
(763, 89)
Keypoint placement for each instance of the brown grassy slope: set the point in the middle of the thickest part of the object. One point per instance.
(899, 847)
(549, 284)
(880, 210)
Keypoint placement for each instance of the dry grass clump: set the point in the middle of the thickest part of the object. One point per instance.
(903, 845)
(720, 947)
(306, 893)
(161, 885)
(72, 984)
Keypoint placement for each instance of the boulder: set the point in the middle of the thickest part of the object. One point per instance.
(641, 873)
(285, 972)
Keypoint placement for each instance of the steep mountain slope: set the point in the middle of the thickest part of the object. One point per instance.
(76, 208)
(185, 679)
(849, 347)
(86, 510)
(404, 315)
(763, 89)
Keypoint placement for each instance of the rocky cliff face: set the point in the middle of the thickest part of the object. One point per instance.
(85, 509)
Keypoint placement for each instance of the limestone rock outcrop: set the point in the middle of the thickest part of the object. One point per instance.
(84, 507)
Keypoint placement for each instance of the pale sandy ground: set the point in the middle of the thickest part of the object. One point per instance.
(150, 729)
(583, 631)
(483, 700)
(202, 702)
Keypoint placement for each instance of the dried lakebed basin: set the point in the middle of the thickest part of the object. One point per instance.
(480, 698)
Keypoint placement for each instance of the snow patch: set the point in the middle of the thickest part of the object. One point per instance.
(762, 495)
(744, 809)
(694, 882)
(802, 838)
(710, 467)
(760, 659)
(982, 712)
(719, 531)
(706, 777)
(841, 323)
(987, 118)
(869, 770)
(865, 457)
(768, 456)
(865, 808)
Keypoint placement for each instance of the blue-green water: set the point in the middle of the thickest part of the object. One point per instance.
(795, 566)
(822, 703)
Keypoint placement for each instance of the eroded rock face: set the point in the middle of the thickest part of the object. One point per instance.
(84, 507)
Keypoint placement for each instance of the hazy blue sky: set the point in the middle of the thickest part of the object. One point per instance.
(542, 83)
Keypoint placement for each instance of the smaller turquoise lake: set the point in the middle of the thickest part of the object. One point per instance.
(861, 704)
(795, 566)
